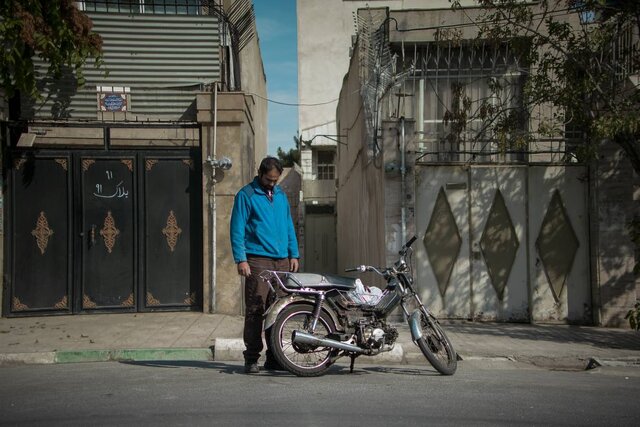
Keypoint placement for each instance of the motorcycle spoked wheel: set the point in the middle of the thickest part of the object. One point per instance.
(436, 347)
(302, 360)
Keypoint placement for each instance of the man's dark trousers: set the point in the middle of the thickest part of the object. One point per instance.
(256, 297)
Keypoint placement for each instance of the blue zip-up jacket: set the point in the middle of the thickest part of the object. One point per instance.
(261, 227)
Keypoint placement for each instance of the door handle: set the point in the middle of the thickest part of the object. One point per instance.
(92, 235)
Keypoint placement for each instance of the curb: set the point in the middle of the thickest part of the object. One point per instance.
(81, 356)
(226, 349)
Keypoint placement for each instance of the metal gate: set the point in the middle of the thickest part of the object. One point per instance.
(103, 231)
(320, 243)
(506, 243)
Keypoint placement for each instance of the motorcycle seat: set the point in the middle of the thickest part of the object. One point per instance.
(320, 281)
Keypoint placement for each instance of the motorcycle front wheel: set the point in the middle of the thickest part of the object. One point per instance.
(303, 360)
(436, 347)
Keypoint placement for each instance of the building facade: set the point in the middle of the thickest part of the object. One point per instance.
(117, 194)
(526, 235)
(325, 33)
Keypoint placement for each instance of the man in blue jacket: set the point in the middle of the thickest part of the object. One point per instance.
(262, 238)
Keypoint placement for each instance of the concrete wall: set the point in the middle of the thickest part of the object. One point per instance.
(241, 135)
(234, 134)
(616, 201)
(360, 186)
(254, 81)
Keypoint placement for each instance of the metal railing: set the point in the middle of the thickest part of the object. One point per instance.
(165, 7)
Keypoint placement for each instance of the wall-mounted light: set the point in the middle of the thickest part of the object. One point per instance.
(223, 163)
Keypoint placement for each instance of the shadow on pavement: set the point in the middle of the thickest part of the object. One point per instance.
(401, 371)
(222, 367)
(238, 368)
(609, 338)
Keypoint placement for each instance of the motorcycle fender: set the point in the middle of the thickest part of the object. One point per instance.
(414, 325)
(272, 312)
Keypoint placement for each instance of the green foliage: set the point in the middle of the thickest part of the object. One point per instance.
(574, 56)
(633, 316)
(55, 30)
(288, 158)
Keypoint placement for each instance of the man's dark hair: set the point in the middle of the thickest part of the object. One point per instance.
(269, 163)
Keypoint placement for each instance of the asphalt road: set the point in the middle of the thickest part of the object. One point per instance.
(214, 393)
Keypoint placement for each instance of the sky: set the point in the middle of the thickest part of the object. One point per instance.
(277, 30)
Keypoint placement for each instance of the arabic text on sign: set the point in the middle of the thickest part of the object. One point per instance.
(113, 102)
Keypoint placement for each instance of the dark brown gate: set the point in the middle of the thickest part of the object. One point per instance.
(108, 230)
(39, 239)
(103, 232)
(172, 233)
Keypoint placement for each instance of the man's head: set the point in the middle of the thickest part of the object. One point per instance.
(269, 172)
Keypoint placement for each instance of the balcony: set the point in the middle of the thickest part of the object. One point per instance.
(323, 191)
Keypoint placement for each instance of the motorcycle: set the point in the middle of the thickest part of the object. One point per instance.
(316, 319)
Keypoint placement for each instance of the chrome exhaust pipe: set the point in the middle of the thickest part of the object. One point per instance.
(304, 338)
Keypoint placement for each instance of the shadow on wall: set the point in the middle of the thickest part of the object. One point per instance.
(616, 266)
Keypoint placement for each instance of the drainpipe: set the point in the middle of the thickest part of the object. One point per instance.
(225, 164)
(403, 178)
(212, 199)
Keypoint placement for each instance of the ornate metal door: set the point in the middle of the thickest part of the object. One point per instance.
(172, 241)
(39, 262)
(108, 230)
(103, 231)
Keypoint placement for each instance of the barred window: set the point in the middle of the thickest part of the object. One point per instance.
(325, 166)
(161, 7)
(460, 82)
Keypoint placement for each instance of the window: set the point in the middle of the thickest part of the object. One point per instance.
(161, 7)
(461, 85)
(325, 165)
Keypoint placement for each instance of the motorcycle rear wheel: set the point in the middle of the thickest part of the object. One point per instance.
(302, 360)
(436, 347)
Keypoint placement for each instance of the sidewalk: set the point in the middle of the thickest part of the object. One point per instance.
(198, 336)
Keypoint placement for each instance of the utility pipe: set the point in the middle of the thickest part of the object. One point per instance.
(212, 202)
(403, 184)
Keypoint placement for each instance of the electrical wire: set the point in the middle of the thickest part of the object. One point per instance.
(292, 104)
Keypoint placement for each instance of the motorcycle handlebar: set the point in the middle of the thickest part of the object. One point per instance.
(361, 268)
(408, 245)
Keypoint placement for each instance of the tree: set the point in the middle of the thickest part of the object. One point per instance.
(55, 30)
(288, 158)
(577, 56)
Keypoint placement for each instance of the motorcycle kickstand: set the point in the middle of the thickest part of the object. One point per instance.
(353, 360)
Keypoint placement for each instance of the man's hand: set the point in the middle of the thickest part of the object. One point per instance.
(244, 269)
(293, 265)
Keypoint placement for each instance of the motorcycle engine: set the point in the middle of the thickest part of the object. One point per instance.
(375, 335)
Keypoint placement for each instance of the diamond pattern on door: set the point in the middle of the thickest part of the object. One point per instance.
(42, 232)
(109, 232)
(557, 245)
(499, 244)
(442, 241)
(172, 231)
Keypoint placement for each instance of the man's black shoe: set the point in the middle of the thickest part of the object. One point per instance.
(251, 368)
(272, 365)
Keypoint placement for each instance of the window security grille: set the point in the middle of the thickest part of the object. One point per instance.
(326, 167)
(162, 7)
